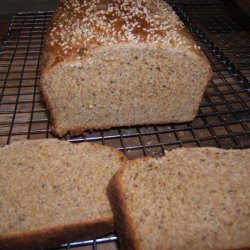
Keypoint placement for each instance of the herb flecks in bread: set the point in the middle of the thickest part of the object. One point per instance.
(120, 63)
(192, 198)
(53, 192)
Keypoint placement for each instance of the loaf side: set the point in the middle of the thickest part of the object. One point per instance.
(120, 63)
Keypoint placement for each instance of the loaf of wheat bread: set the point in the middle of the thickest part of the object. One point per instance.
(193, 198)
(120, 63)
(54, 192)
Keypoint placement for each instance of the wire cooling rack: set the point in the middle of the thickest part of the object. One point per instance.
(222, 31)
(227, 26)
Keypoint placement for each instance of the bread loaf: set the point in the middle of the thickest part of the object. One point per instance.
(196, 198)
(120, 63)
(54, 192)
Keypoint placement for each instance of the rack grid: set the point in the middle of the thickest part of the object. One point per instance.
(222, 31)
(227, 26)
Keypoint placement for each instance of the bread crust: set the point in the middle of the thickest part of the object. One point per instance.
(49, 237)
(56, 53)
(123, 223)
(53, 235)
(123, 220)
(55, 42)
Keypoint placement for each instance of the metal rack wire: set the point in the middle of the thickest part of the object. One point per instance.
(227, 26)
(222, 31)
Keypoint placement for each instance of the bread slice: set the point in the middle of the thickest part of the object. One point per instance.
(193, 198)
(54, 192)
(120, 63)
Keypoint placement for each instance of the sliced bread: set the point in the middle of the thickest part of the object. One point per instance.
(192, 198)
(54, 192)
(120, 63)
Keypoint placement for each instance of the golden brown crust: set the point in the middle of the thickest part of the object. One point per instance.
(123, 225)
(49, 107)
(56, 234)
(79, 26)
(50, 237)
(150, 21)
(116, 193)
(60, 132)
(67, 40)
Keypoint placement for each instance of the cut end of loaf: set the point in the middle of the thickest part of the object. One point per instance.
(126, 84)
(192, 198)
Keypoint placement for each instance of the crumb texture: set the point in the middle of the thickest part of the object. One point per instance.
(119, 63)
(190, 199)
(46, 184)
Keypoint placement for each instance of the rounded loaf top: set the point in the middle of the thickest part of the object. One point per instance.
(80, 25)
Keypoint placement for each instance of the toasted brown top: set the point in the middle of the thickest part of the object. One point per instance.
(80, 25)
